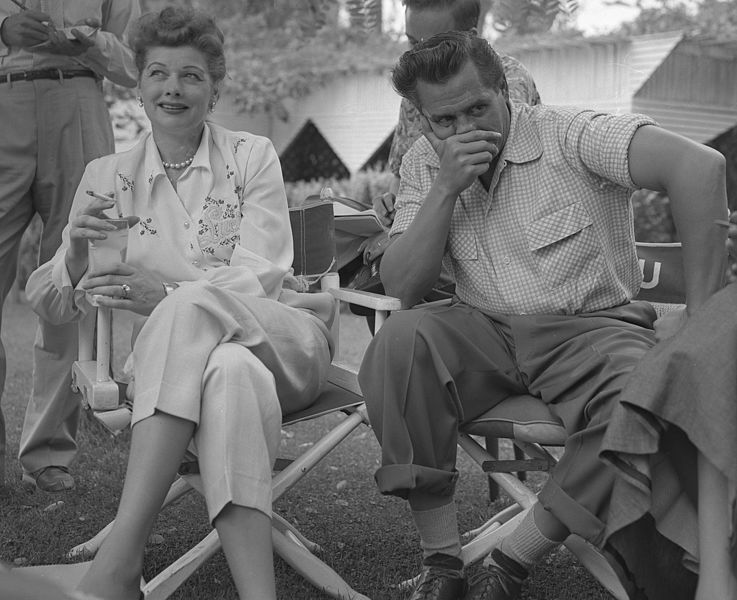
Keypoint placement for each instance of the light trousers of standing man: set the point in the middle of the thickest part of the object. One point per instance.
(49, 131)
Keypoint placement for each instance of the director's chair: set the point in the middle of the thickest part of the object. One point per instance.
(105, 398)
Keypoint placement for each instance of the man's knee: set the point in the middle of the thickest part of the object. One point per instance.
(402, 338)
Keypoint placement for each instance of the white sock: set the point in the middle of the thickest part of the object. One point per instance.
(438, 529)
(526, 544)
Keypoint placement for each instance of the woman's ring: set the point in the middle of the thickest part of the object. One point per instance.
(126, 289)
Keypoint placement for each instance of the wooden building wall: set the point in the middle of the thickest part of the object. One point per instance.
(355, 115)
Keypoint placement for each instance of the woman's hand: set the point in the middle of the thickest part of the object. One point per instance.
(90, 224)
(126, 287)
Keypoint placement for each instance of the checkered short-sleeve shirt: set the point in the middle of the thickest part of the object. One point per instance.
(555, 232)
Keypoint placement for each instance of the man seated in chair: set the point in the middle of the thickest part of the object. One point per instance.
(529, 207)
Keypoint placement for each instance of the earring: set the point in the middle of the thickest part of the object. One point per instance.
(140, 101)
(213, 102)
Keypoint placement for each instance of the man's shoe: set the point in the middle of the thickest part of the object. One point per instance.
(500, 580)
(49, 479)
(441, 579)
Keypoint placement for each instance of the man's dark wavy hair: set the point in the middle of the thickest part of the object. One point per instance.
(441, 57)
(179, 26)
(465, 12)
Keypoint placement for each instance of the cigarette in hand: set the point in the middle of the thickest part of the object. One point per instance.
(107, 199)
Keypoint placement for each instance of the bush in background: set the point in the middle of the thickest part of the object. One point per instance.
(653, 219)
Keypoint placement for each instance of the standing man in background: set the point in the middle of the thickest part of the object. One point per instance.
(53, 121)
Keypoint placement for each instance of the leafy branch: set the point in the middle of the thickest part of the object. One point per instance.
(529, 16)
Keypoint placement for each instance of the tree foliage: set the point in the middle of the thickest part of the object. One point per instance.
(710, 17)
(280, 49)
(527, 17)
(268, 65)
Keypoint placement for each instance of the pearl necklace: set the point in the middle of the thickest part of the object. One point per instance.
(178, 166)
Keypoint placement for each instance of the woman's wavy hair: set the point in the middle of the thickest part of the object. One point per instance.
(178, 26)
(441, 57)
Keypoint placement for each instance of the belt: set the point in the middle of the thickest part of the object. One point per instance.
(58, 74)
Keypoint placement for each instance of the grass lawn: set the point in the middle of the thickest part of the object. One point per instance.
(367, 538)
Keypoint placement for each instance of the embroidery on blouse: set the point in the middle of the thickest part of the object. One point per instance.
(237, 144)
(128, 183)
(147, 226)
(219, 228)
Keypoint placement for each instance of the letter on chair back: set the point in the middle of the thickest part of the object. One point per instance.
(662, 273)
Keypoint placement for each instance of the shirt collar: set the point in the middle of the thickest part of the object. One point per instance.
(523, 143)
(201, 160)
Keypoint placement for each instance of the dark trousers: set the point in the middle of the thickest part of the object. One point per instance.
(428, 371)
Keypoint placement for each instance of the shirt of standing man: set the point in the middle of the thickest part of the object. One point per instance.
(107, 55)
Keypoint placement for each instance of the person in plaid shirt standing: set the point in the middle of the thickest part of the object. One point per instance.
(529, 208)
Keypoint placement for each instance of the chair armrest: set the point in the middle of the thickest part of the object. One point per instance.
(367, 299)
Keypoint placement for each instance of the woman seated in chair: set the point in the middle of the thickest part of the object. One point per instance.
(674, 439)
(227, 344)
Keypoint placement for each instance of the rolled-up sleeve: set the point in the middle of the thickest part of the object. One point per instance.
(599, 142)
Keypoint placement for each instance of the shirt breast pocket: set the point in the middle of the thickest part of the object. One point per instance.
(564, 245)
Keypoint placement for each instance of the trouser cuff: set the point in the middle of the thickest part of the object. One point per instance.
(399, 480)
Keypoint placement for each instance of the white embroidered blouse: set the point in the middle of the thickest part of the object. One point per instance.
(227, 222)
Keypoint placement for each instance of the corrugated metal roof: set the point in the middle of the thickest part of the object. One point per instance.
(699, 122)
(647, 53)
(355, 114)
